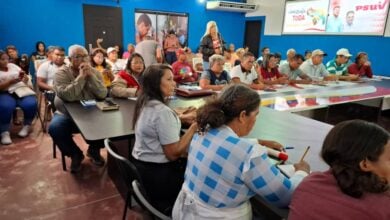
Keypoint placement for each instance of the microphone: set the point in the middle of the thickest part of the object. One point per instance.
(277, 154)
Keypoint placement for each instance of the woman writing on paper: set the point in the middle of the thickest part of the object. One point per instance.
(11, 76)
(225, 170)
(357, 184)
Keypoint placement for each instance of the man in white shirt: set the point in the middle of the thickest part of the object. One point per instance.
(314, 67)
(47, 70)
(245, 73)
(334, 23)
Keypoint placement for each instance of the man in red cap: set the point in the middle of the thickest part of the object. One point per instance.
(182, 70)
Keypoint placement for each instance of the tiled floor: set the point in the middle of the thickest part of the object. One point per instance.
(34, 186)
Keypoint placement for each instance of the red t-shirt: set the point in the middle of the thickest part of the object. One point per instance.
(361, 71)
(272, 75)
(180, 69)
(319, 197)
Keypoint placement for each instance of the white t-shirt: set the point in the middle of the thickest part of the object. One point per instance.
(157, 125)
(246, 78)
(12, 73)
(48, 70)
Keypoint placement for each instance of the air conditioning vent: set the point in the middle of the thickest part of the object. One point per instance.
(230, 6)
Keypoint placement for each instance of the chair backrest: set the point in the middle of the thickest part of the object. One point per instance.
(140, 197)
(131, 178)
(128, 171)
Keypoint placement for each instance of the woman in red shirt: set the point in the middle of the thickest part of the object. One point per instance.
(362, 66)
(357, 184)
(270, 73)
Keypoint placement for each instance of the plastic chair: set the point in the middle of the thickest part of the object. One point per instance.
(129, 174)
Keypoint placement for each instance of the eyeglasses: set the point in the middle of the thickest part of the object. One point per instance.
(79, 57)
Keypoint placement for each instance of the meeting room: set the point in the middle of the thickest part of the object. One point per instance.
(196, 109)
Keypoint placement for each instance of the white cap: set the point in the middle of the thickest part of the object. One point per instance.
(344, 52)
(110, 49)
(318, 52)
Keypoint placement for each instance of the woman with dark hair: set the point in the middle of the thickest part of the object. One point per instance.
(40, 52)
(269, 71)
(158, 146)
(12, 78)
(99, 63)
(224, 169)
(357, 185)
(127, 83)
(361, 67)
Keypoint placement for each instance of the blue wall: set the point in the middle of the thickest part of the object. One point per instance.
(60, 22)
(376, 47)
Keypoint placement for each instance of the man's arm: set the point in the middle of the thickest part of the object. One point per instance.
(67, 88)
(95, 81)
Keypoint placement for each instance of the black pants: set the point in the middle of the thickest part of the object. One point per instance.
(162, 182)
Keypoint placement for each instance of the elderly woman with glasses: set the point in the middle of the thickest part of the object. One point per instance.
(78, 81)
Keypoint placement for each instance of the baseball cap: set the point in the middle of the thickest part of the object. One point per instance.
(344, 52)
(111, 49)
(318, 52)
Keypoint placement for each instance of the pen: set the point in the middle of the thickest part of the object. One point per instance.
(289, 148)
(304, 154)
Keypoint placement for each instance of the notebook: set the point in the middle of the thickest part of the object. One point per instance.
(107, 105)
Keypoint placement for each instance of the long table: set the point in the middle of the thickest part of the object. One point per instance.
(303, 97)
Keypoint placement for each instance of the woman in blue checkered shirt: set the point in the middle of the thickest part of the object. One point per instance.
(225, 170)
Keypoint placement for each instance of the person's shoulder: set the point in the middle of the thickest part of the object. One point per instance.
(13, 66)
(236, 70)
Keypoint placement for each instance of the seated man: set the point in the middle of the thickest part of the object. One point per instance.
(215, 78)
(78, 81)
(47, 71)
(182, 71)
(291, 69)
(339, 65)
(314, 67)
(245, 73)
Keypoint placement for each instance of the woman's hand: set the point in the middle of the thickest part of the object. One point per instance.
(272, 144)
(302, 165)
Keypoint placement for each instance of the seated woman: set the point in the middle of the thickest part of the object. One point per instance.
(127, 83)
(99, 63)
(269, 71)
(225, 170)
(357, 184)
(158, 146)
(361, 67)
(215, 78)
(10, 75)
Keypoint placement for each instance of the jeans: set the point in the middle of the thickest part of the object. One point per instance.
(61, 130)
(170, 57)
(8, 103)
